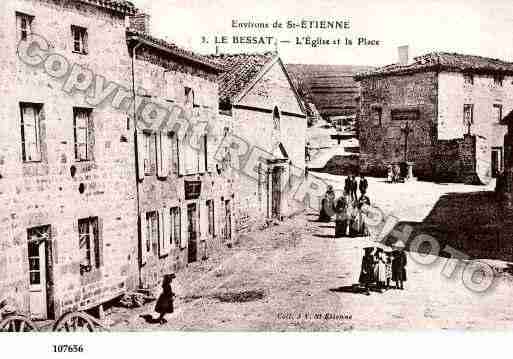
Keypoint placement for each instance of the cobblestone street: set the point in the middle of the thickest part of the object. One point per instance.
(275, 277)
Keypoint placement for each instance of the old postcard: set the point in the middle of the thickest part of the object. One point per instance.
(272, 166)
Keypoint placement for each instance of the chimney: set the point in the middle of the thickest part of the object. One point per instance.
(403, 55)
(140, 22)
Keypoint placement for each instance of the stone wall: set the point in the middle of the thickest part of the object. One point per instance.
(58, 191)
(382, 143)
(255, 125)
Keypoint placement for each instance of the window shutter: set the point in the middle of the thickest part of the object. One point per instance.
(166, 144)
(143, 225)
(201, 154)
(98, 235)
(180, 157)
(140, 155)
(211, 150)
(204, 221)
(159, 147)
(165, 234)
(185, 228)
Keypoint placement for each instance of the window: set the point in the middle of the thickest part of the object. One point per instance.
(79, 39)
(37, 262)
(497, 109)
(175, 226)
(23, 25)
(149, 153)
(83, 131)
(89, 244)
(468, 79)
(498, 80)
(468, 116)
(376, 115)
(276, 118)
(189, 97)
(31, 132)
(211, 218)
(152, 232)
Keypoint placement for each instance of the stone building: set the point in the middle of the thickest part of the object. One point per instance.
(442, 112)
(107, 143)
(256, 92)
(185, 200)
(68, 220)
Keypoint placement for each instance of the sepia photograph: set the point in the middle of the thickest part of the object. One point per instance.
(173, 166)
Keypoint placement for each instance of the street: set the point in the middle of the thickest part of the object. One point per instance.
(295, 276)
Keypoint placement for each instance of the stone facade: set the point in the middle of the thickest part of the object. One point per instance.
(166, 79)
(43, 198)
(434, 101)
(270, 117)
(382, 140)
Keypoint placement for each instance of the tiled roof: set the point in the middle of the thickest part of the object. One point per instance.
(444, 61)
(173, 48)
(331, 88)
(122, 6)
(240, 70)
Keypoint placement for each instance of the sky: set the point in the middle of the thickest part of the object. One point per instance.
(470, 27)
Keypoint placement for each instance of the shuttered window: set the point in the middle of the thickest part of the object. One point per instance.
(83, 133)
(79, 39)
(23, 25)
(89, 244)
(31, 132)
(176, 226)
(152, 232)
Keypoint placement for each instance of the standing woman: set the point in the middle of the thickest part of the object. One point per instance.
(165, 302)
(341, 217)
(367, 270)
(399, 265)
(380, 268)
(327, 205)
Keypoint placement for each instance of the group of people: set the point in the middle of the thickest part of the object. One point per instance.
(380, 268)
(349, 209)
(394, 174)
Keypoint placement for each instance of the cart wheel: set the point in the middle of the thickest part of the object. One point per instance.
(78, 322)
(17, 323)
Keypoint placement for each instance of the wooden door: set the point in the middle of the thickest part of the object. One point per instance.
(228, 221)
(38, 242)
(192, 230)
(276, 192)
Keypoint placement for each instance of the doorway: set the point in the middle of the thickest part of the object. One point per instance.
(228, 221)
(39, 256)
(497, 161)
(276, 192)
(192, 230)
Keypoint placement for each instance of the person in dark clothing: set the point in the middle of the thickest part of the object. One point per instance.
(364, 185)
(165, 302)
(354, 188)
(367, 270)
(341, 217)
(347, 186)
(327, 205)
(399, 262)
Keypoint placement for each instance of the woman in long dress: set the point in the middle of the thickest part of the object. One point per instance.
(399, 265)
(327, 204)
(341, 217)
(367, 269)
(165, 303)
(380, 268)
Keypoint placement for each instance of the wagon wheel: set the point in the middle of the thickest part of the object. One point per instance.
(78, 322)
(17, 323)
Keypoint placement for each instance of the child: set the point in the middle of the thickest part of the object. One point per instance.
(165, 302)
(388, 268)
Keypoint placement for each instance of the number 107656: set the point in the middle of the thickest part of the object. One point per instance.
(68, 348)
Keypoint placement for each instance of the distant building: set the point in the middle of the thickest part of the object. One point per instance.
(331, 88)
(267, 113)
(442, 112)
